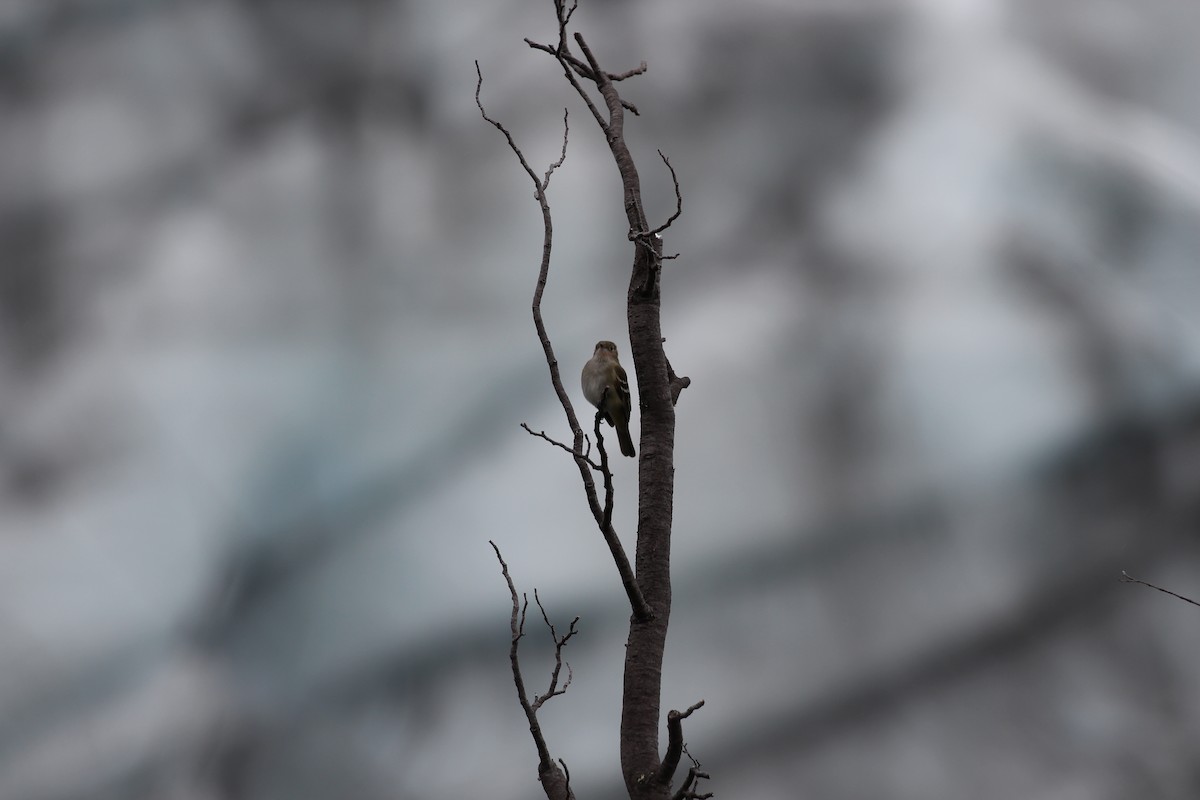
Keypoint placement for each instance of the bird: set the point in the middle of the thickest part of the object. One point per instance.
(606, 386)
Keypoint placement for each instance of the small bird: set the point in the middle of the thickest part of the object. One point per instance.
(605, 382)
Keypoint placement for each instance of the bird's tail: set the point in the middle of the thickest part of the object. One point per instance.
(625, 440)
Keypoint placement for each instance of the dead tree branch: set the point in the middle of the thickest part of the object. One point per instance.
(670, 763)
(559, 643)
(604, 470)
(659, 389)
(678, 204)
(689, 789)
(646, 776)
(1127, 578)
(641, 609)
(542, 435)
(553, 779)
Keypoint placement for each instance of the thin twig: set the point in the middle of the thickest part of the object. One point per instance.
(511, 143)
(556, 443)
(556, 783)
(583, 69)
(517, 625)
(570, 12)
(651, 241)
(562, 156)
(692, 781)
(1127, 578)
(604, 470)
(678, 198)
(559, 644)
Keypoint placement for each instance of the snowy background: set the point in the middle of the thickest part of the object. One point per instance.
(265, 346)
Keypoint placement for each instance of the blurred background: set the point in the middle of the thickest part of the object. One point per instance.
(265, 345)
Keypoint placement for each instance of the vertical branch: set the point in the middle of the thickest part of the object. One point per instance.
(656, 474)
(658, 390)
(604, 470)
(641, 610)
(553, 779)
(675, 742)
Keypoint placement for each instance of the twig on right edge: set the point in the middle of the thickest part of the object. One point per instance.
(692, 782)
(1127, 578)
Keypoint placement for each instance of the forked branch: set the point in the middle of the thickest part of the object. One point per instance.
(690, 788)
(559, 643)
(670, 761)
(647, 775)
(658, 389)
(542, 435)
(554, 779)
(637, 602)
(604, 470)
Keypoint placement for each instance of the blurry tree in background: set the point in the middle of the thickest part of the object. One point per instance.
(263, 344)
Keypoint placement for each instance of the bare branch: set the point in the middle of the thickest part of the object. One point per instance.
(1127, 578)
(554, 781)
(559, 644)
(570, 62)
(567, 773)
(640, 69)
(565, 18)
(687, 791)
(641, 610)
(604, 470)
(641, 696)
(674, 742)
(678, 198)
(517, 624)
(615, 129)
(659, 388)
(583, 70)
(562, 156)
(628, 580)
(564, 59)
(651, 242)
(511, 143)
(542, 435)
(688, 794)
